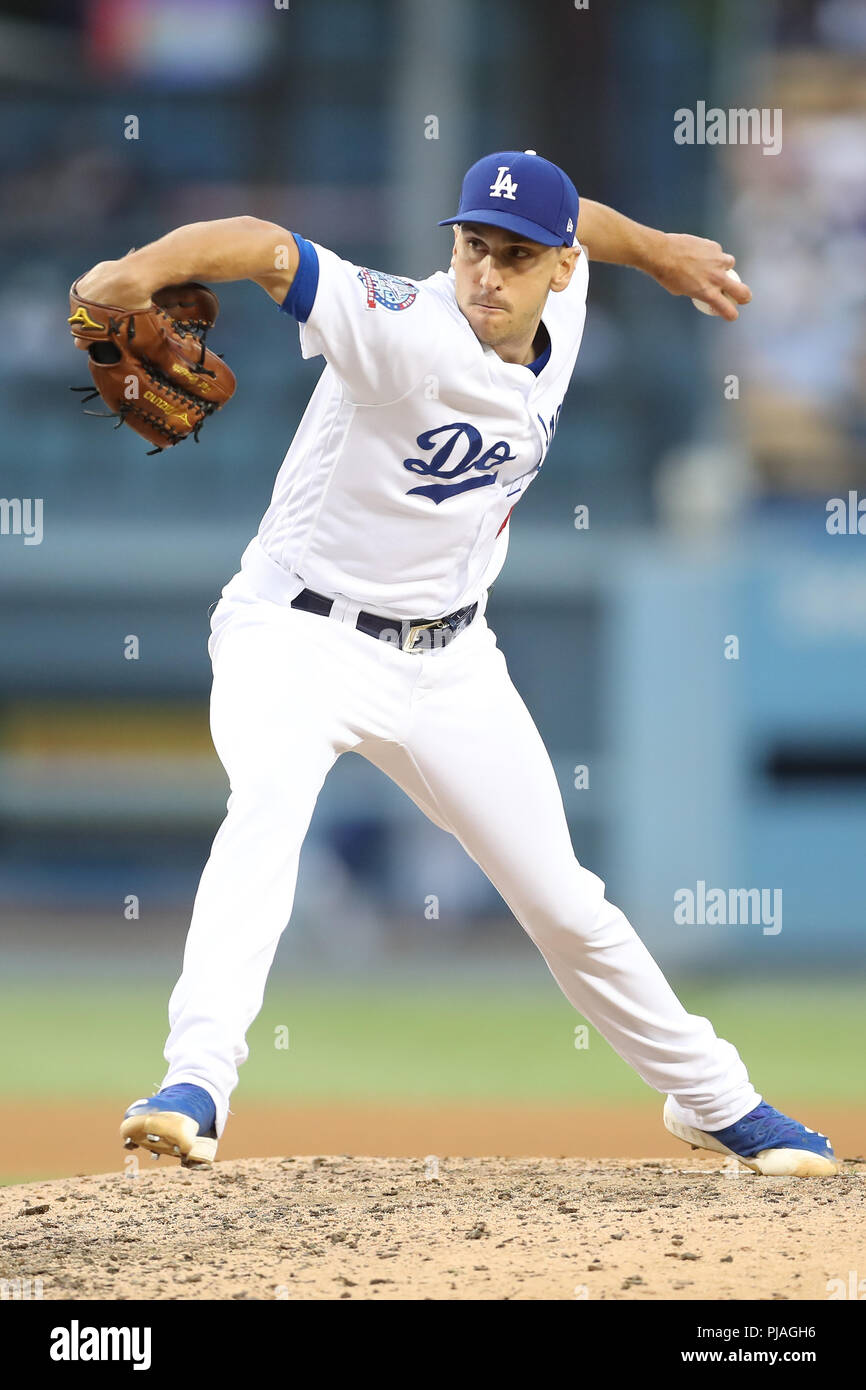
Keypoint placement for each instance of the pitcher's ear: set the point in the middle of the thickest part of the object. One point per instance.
(566, 268)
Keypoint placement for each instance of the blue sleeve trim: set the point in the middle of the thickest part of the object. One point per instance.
(301, 297)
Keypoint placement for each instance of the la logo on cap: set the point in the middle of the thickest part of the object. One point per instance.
(504, 185)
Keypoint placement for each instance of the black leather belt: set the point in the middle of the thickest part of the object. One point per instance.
(412, 634)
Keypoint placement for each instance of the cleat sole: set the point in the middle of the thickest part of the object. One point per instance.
(169, 1132)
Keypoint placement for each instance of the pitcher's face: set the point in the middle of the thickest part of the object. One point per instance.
(503, 280)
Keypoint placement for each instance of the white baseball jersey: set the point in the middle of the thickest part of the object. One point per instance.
(417, 441)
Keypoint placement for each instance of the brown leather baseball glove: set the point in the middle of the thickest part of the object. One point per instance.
(151, 367)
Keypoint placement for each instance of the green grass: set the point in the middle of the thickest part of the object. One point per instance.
(417, 1041)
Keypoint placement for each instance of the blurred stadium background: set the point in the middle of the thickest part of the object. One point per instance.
(410, 1032)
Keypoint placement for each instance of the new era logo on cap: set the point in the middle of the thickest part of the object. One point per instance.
(522, 192)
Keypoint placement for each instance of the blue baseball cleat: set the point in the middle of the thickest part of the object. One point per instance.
(764, 1140)
(180, 1121)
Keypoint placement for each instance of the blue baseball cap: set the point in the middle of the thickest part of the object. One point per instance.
(519, 190)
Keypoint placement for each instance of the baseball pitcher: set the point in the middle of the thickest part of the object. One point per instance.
(357, 618)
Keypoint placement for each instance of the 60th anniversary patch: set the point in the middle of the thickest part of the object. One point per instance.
(387, 290)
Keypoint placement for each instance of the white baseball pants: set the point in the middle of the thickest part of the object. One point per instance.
(292, 691)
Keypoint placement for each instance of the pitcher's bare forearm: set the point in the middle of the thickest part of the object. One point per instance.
(681, 264)
(607, 235)
(232, 248)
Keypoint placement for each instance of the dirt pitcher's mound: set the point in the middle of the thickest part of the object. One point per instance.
(396, 1228)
